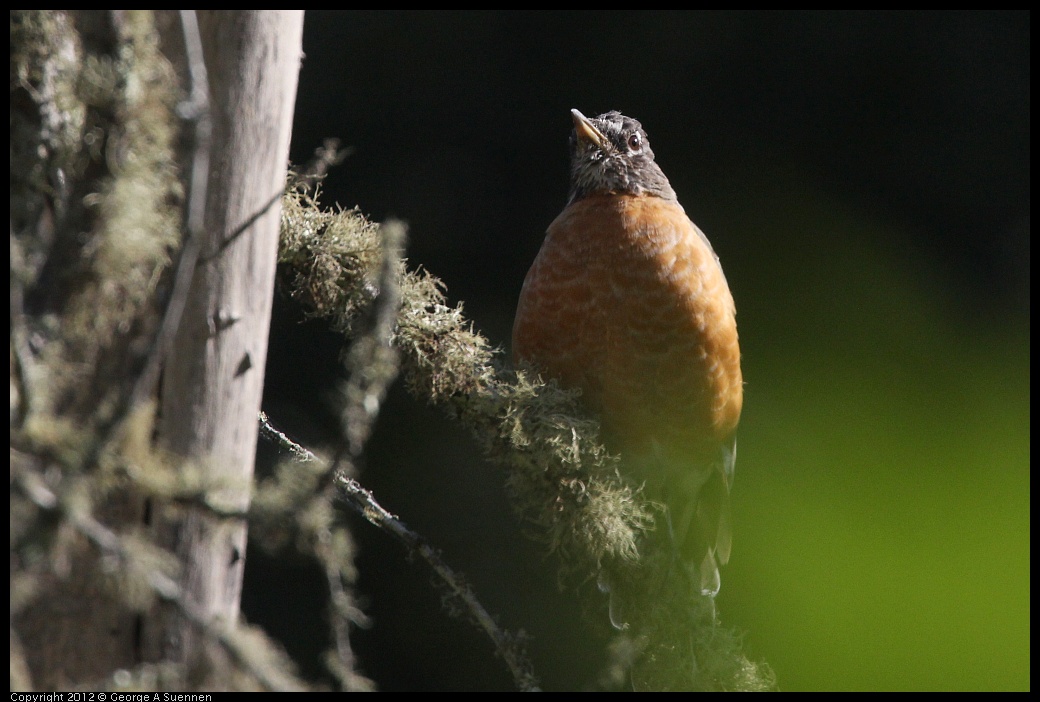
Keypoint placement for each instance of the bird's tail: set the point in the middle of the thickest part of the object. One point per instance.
(709, 536)
(700, 517)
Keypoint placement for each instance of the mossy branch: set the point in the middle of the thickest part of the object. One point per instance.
(535, 428)
(560, 476)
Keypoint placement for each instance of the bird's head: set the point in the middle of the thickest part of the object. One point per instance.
(611, 154)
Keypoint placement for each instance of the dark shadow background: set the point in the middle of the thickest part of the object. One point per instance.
(864, 178)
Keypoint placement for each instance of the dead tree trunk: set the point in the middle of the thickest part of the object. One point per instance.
(215, 370)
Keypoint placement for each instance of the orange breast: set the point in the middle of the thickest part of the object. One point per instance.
(627, 301)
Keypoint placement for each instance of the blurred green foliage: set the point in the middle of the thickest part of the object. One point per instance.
(882, 497)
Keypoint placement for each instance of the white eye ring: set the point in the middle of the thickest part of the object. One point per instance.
(635, 142)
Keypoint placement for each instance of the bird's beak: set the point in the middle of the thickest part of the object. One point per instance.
(586, 131)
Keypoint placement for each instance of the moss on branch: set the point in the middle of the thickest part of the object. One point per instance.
(560, 476)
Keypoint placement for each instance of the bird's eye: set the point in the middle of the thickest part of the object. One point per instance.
(635, 142)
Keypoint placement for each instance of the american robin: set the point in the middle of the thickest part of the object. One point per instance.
(627, 301)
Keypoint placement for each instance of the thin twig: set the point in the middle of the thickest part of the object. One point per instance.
(372, 366)
(325, 157)
(277, 437)
(22, 359)
(195, 110)
(371, 361)
(361, 501)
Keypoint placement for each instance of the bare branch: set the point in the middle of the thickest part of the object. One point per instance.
(363, 503)
(196, 111)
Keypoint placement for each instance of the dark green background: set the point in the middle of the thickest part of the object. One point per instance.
(864, 178)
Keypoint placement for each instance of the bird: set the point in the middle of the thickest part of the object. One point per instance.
(626, 300)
